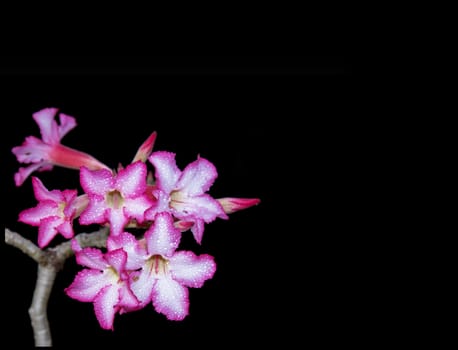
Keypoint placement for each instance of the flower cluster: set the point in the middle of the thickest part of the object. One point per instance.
(164, 201)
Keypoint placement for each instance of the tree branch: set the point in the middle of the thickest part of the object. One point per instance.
(27, 247)
(37, 311)
(94, 239)
(50, 261)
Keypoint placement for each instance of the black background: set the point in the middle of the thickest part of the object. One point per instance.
(280, 128)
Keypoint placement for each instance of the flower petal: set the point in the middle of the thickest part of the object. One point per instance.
(33, 216)
(143, 283)
(191, 270)
(42, 193)
(204, 207)
(24, 173)
(87, 284)
(231, 205)
(92, 258)
(131, 181)
(166, 171)
(48, 126)
(97, 182)
(32, 150)
(198, 230)
(135, 208)
(197, 177)
(66, 229)
(127, 300)
(146, 148)
(128, 242)
(48, 230)
(117, 219)
(171, 299)
(67, 123)
(105, 306)
(94, 213)
(117, 259)
(162, 237)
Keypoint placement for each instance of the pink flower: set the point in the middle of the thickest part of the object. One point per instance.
(183, 193)
(146, 148)
(54, 213)
(231, 205)
(104, 283)
(45, 153)
(166, 274)
(115, 198)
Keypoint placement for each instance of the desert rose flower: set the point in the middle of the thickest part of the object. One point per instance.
(104, 283)
(115, 198)
(54, 212)
(183, 193)
(166, 274)
(42, 154)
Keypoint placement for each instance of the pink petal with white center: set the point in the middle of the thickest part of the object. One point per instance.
(143, 283)
(171, 299)
(131, 181)
(135, 208)
(24, 173)
(117, 219)
(33, 216)
(48, 230)
(165, 170)
(162, 237)
(95, 212)
(92, 258)
(48, 126)
(136, 254)
(105, 306)
(117, 259)
(191, 270)
(197, 177)
(145, 149)
(97, 182)
(87, 284)
(203, 207)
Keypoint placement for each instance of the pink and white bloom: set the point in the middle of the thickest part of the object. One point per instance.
(115, 198)
(54, 213)
(183, 193)
(166, 274)
(105, 283)
(44, 153)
